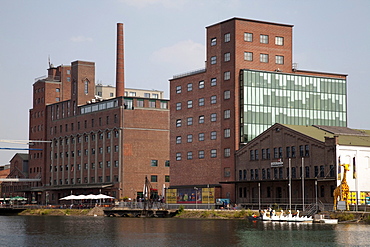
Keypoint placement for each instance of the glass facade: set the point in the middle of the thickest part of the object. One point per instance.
(268, 98)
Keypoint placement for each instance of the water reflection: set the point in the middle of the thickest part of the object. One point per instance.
(105, 231)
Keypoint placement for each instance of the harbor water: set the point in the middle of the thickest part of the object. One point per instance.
(106, 231)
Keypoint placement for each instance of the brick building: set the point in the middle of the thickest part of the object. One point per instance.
(303, 156)
(248, 84)
(90, 144)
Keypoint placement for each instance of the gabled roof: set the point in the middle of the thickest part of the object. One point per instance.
(346, 136)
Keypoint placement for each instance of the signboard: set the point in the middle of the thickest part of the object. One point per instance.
(190, 195)
(341, 205)
(277, 164)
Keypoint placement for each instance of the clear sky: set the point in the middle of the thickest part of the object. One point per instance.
(164, 38)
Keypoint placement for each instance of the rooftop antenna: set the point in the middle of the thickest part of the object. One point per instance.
(50, 64)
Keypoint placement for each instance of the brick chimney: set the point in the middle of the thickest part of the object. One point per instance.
(120, 68)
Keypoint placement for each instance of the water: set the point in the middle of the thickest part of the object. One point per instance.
(105, 231)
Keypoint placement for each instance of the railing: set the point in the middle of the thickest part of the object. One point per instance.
(189, 73)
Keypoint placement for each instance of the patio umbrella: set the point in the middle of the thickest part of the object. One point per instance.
(102, 196)
(18, 198)
(70, 197)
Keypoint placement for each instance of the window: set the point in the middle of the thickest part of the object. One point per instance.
(226, 114)
(178, 106)
(256, 154)
(201, 119)
(108, 163)
(316, 171)
(322, 171)
(190, 155)
(276, 154)
(86, 86)
(227, 37)
(307, 150)
(154, 163)
(248, 37)
(201, 102)
(213, 117)
(263, 154)
(213, 60)
(227, 56)
(178, 89)
(264, 58)
(268, 173)
(178, 156)
(57, 90)
(227, 172)
(178, 139)
(288, 152)
(153, 178)
(213, 153)
(190, 87)
(280, 152)
(264, 39)
(57, 99)
(263, 174)
(147, 95)
(155, 96)
(279, 41)
(213, 135)
(213, 99)
(213, 41)
(201, 84)
(167, 178)
(178, 123)
(152, 103)
(307, 171)
(279, 59)
(201, 154)
(227, 94)
(248, 56)
(140, 103)
(167, 163)
(301, 151)
(190, 138)
(132, 93)
(227, 152)
(251, 155)
(213, 82)
(227, 75)
(226, 133)
(190, 121)
(293, 151)
(163, 104)
(190, 104)
(201, 137)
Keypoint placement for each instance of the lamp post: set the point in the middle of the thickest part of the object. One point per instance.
(290, 184)
(302, 184)
(259, 196)
(208, 196)
(196, 199)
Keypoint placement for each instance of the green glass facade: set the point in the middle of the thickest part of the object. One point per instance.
(268, 98)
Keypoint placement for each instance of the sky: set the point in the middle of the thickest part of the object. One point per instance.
(165, 38)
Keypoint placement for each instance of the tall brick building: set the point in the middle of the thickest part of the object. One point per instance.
(248, 84)
(91, 144)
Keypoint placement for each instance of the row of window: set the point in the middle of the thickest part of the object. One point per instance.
(304, 151)
(153, 179)
(201, 136)
(278, 173)
(248, 56)
(201, 154)
(71, 126)
(213, 100)
(79, 167)
(201, 118)
(201, 85)
(269, 191)
(84, 138)
(248, 37)
(85, 180)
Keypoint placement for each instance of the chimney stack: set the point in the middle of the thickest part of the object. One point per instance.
(120, 68)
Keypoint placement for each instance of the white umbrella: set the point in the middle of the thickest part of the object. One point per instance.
(70, 197)
(102, 196)
(80, 197)
(91, 196)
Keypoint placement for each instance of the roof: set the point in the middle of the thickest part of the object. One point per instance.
(258, 21)
(346, 136)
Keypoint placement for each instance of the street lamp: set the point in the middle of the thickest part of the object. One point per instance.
(196, 199)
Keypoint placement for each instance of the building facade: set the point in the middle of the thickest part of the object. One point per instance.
(93, 144)
(301, 165)
(249, 83)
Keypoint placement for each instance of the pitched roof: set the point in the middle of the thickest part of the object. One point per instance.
(346, 136)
